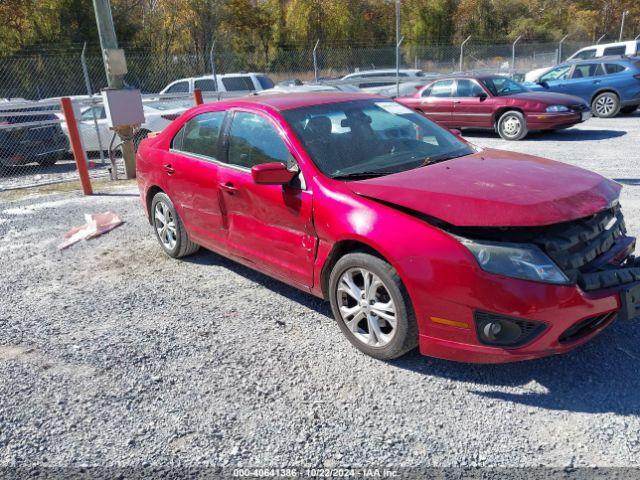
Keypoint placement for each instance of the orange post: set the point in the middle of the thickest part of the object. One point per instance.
(197, 96)
(76, 145)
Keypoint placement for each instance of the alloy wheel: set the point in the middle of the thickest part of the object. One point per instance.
(366, 307)
(511, 126)
(605, 105)
(165, 225)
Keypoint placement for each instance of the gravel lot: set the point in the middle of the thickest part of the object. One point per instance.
(113, 354)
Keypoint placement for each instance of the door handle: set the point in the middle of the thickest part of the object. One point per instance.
(229, 188)
(169, 169)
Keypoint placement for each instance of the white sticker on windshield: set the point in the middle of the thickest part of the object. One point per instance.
(393, 107)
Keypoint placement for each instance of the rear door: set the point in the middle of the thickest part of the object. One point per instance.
(586, 78)
(270, 226)
(469, 108)
(437, 102)
(192, 169)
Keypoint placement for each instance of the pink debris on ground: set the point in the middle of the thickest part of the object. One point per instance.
(97, 224)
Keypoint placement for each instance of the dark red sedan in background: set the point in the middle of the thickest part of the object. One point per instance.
(495, 102)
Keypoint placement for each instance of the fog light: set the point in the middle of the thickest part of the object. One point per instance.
(499, 330)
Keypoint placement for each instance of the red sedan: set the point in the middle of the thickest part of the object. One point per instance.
(414, 236)
(495, 102)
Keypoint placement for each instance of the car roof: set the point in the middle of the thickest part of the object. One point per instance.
(289, 101)
(609, 59)
(383, 70)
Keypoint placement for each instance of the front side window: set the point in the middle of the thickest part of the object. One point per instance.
(501, 86)
(265, 82)
(442, 89)
(254, 140)
(468, 88)
(200, 135)
(585, 54)
(180, 87)
(365, 138)
(558, 73)
(587, 70)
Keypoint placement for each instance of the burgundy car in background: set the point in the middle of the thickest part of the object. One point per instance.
(495, 102)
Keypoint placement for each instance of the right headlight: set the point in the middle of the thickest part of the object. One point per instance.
(516, 260)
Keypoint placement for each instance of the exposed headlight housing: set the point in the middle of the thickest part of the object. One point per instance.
(516, 260)
(557, 109)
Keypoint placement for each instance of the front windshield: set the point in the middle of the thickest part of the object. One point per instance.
(371, 138)
(501, 86)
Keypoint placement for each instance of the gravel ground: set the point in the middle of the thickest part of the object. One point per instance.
(113, 354)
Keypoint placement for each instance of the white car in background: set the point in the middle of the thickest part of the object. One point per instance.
(229, 82)
(157, 114)
(309, 88)
(372, 81)
(629, 48)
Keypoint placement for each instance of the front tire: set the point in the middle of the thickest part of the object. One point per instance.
(512, 125)
(606, 105)
(169, 228)
(372, 306)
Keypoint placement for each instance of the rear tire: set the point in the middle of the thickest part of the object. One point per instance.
(169, 228)
(381, 322)
(606, 105)
(512, 125)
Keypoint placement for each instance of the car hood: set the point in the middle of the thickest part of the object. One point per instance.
(495, 188)
(550, 98)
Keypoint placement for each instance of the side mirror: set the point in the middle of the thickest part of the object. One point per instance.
(274, 173)
(482, 96)
(543, 84)
(456, 132)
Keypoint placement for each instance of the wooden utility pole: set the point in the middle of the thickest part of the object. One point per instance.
(115, 78)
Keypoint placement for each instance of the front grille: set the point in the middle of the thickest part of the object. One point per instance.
(580, 107)
(584, 328)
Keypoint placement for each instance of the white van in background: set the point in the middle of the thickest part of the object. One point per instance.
(629, 48)
(228, 82)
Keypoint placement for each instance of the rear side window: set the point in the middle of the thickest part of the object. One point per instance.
(207, 85)
(200, 135)
(585, 54)
(254, 140)
(620, 50)
(180, 87)
(235, 84)
(588, 70)
(614, 68)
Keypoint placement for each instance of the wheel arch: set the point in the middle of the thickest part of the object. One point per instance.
(339, 250)
(151, 192)
(502, 110)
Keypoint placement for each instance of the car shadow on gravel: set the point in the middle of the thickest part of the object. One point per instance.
(207, 257)
(599, 377)
(569, 135)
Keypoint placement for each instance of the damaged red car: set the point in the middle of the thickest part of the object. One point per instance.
(415, 237)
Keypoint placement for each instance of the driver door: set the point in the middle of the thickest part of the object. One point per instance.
(269, 226)
(472, 105)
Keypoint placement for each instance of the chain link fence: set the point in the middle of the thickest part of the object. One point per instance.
(34, 144)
